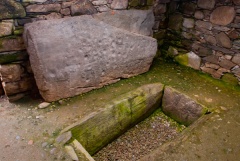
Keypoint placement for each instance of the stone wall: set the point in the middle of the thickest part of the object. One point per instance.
(203, 34)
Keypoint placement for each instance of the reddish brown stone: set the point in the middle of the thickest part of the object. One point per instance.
(223, 15)
(233, 34)
(223, 40)
(82, 7)
(206, 4)
(227, 64)
(236, 2)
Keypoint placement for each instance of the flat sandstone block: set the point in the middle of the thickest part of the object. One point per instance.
(74, 55)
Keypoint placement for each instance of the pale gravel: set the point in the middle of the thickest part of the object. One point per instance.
(141, 139)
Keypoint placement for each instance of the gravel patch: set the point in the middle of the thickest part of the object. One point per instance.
(141, 139)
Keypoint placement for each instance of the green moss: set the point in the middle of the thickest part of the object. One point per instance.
(230, 78)
(18, 31)
(182, 59)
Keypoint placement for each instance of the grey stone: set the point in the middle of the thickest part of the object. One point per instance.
(97, 54)
(82, 7)
(211, 71)
(199, 15)
(224, 50)
(188, 22)
(11, 44)
(43, 105)
(43, 8)
(212, 59)
(103, 8)
(180, 107)
(227, 64)
(210, 39)
(187, 35)
(34, 1)
(204, 24)
(190, 59)
(99, 2)
(11, 9)
(236, 59)
(50, 16)
(203, 51)
(213, 66)
(223, 40)
(221, 28)
(25, 84)
(119, 4)
(136, 21)
(81, 151)
(206, 4)
(70, 151)
(223, 15)
(64, 138)
(11, 72)
(6, 28)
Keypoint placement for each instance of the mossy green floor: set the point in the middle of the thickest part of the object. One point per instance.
(203, 88)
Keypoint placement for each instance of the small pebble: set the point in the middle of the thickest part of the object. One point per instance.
(30, 142)
(43, 105)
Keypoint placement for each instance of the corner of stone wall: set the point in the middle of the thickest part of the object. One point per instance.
(203, 32)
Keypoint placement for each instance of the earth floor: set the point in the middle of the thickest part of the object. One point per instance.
(27, 133)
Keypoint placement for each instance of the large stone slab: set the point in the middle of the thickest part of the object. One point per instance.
(74, 55)
(100, 128)
(137, 21)
(180, 107)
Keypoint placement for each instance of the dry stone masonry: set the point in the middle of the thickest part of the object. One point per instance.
(200, 32)
(208, 29)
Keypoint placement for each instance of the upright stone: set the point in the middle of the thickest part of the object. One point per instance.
(96, 54)
(206, 4)
(181, 107)
(223, 15)
(11, 9)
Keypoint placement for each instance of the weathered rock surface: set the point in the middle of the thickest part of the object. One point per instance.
(206, 4)
(136, 21)
(223, 15)
(181, 107)
(6, 28)
(11, 9)
(236, 59)
(82, 7)
(11, 72)
(223, 40)
(100, 128)
(43, 8)
(96, 54)
(190, 59)
(11, 44)
(119, 4)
